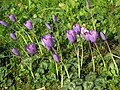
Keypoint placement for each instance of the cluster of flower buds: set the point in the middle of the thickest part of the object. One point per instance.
(47, 41)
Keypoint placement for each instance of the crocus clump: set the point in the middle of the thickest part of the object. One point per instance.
(56, 57)
(54, 18)
(47, 25)
(103, 36)
(47, 41)
(93, 35)
(15, 51)
(76, 28)
(30, 48)
(3, 23)
(12, 17)
(71, 35)
(28, 24)
(13, 36)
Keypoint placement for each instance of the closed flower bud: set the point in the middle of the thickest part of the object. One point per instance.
(30, 48)
(102, 36)
(54, 18)
(47, 25)
(47, 41)
(56, 57)
(28, 24)
(3, 23)
(12, 17)
(71, 35)
(12, 35)
(15, 51)
(87, 3)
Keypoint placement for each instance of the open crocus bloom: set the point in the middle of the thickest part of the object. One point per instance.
(47, 41)
(71, 35)
(93, 35)
(30, 48)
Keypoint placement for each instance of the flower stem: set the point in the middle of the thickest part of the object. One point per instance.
(112, 57)
(37, 43)
(82, 54)
(100, 56)
(77, 53)
(61, 78)
(92, 57)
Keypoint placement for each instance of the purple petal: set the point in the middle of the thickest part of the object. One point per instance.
(12, 35)
(3, 23)
(102, 36)
(28, 24)
(12, 17)
(15, 51)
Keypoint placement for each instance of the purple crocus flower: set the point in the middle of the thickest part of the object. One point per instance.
(86, 35)
(13, 36)
(76, 28)
(28, 24)
(47, 41)
(3, 23)
(54, 18)
(12, 17)
(56, 57)
(103, 36)
(71, 35)
(83, 30)
(87, 3)
(47, 25)
(15, 51)
(93, 35)
(30, 48)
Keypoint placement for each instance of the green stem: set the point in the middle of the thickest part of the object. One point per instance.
(82, 54)
(22, 37)
(92, 19)
(56, 64)
(61, 78)
(112, 57)
(77, 53)
(100, 55)
(37, 43)
(92, 57)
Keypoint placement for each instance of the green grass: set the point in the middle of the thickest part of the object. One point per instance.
(30, 72)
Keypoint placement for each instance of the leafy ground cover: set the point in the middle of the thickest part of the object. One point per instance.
(42, 46)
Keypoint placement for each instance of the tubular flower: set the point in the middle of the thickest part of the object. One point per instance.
(83, 30)
(76, 28)
(54, 18)
(71, 35)
(15, 51)
(30, 48)
(3, 23)
(12, 17)
(47, 25)
(12, 35)
(28, 24)
(103, 36)
(47, 41)
(93, 35)
(56, 57)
